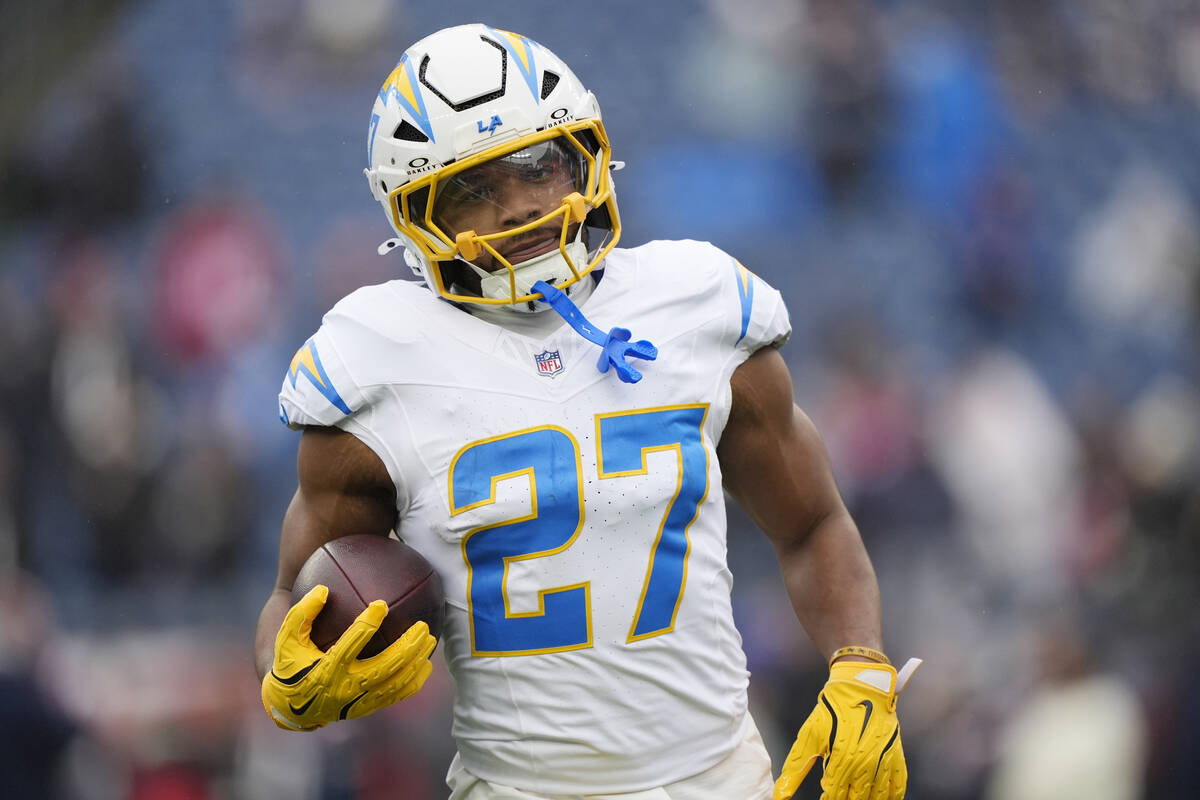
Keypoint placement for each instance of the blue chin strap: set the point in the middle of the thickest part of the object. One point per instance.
(615, 344)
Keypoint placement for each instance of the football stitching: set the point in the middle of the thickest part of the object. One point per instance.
(418, 585)
(354, 588)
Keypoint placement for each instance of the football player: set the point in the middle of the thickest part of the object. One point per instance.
(554, 422)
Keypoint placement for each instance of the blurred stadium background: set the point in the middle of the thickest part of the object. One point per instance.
(985, 218)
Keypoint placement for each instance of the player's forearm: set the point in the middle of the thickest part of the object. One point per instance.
(832, 585)
(269, 620)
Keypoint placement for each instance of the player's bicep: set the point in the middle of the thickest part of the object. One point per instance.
(772, 457)
(343, 489)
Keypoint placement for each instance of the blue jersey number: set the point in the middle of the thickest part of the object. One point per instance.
(549, 458)
(625, 439)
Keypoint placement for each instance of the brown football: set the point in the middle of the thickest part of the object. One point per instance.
(361, 569)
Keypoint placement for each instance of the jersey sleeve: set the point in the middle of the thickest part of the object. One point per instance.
(761, 317)
(325, 384)
(317, 388)
(748, 312)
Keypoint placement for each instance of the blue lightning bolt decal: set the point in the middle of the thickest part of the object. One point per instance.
(521, 49)
(308, 362)
(371, 138)
(745, 287)
(402, 84)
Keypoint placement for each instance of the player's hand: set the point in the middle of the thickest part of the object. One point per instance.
(855, 730)
(308, 687)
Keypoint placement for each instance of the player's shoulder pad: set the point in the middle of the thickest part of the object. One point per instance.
(760, 315)
(754, 310)
(682, 263)
(321, 385)
(317, 388)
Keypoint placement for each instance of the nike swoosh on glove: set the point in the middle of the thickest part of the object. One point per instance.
(855, 730)
(308, 687)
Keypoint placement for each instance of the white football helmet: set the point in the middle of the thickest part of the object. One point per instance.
(471, 106)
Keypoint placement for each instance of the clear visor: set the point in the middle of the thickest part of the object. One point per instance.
(509, 190)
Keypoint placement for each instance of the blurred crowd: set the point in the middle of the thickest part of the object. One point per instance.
(985, 218)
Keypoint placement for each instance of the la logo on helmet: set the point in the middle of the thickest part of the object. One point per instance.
(491, 126)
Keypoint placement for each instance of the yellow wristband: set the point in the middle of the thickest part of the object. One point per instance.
(865, 652)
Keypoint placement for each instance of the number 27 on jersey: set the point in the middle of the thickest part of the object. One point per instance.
(549, 457)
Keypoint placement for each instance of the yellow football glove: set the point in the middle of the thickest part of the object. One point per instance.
(855, 730)
(308, 687)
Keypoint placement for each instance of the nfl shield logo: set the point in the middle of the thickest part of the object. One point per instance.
(548, 363)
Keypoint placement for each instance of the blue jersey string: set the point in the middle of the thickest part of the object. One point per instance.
(615, 344)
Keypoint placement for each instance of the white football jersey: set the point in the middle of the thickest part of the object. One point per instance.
(577, 522)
